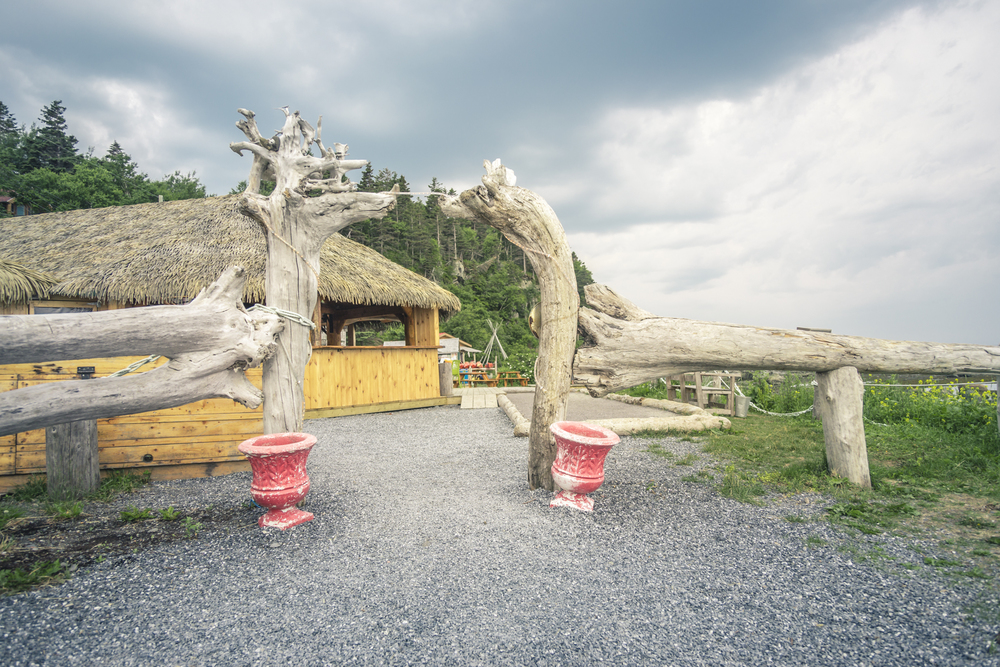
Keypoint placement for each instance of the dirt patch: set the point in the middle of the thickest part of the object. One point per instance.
(960, 520)
(100, 533)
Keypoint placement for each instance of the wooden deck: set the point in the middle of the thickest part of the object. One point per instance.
(476, 398)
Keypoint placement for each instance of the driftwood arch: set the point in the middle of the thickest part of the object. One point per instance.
(629, 346)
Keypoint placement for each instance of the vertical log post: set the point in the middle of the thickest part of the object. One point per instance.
(71, 465)
(839, 399)
(312, 199)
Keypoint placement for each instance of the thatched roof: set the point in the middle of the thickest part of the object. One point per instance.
(160, 253)
(19, 284)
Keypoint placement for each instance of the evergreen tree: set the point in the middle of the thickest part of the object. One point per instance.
(49, 146)
(134, 186)
(8, 126)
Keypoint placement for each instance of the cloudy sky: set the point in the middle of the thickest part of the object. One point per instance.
(820, 163)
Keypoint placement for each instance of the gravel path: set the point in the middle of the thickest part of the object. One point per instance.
(428, 548)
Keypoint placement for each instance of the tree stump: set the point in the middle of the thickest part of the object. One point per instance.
(839, 398)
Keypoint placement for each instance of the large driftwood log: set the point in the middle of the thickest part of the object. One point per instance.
(531, 224)
(312, 199)
(239, 340)
(207, 323)
(631, 346)
(839, 398)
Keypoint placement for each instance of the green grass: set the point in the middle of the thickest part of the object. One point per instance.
(133, 513)
(934, 459)
(40, 574)
(118, 482)
(64, 509)
(169, 514)
(9, 512)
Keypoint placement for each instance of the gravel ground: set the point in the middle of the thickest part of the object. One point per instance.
(428, 548)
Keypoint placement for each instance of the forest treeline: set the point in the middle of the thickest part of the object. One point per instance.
(41, 168)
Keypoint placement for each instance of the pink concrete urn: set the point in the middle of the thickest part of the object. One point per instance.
(579, 465)
(280, 481)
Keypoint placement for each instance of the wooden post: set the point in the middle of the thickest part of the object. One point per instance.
(839, 397)
(312, 199)
(71, 465)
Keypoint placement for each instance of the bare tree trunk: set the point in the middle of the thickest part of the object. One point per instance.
(632, 346)
(839, 399)
(531, 224)
(312, 199)
(241, 340)
(207, 323)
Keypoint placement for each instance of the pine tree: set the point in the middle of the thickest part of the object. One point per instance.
(133, 185)
(8, 126)
(49, 146)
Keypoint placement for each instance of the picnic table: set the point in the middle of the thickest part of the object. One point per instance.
(511, 379)
(475, 377)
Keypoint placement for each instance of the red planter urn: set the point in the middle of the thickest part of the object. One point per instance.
(280, 481)
(579, 465)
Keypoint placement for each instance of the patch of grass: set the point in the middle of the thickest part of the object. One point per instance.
(33, 489)
(119, 482)
(40, 574)
(814, 541)
(657, 450)
(9, 512)
(133, 513)
(940, 562)
(793, 518)
(976, 522)
(869, 516)
(64, 509)
(687, 460)
(169, 514)
(740, 486)
(652, 434)
(191, 527)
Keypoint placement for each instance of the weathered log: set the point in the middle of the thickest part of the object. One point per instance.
(72, 469)
(311, 200)
(207, 323)
(531, 224)
(631, 346)
(839, 399)
(242, 340)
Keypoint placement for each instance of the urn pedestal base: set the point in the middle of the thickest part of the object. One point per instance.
(578, 501)
(280, 481)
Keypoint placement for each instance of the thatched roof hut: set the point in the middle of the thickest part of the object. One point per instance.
(167, 252)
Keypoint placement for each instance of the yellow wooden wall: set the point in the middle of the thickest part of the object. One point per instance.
(201, 438)
(202, 434)
(347, 376)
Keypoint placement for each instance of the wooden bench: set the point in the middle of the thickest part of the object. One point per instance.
(704, 389)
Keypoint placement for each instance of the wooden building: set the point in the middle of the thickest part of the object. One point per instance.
(100, 259)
